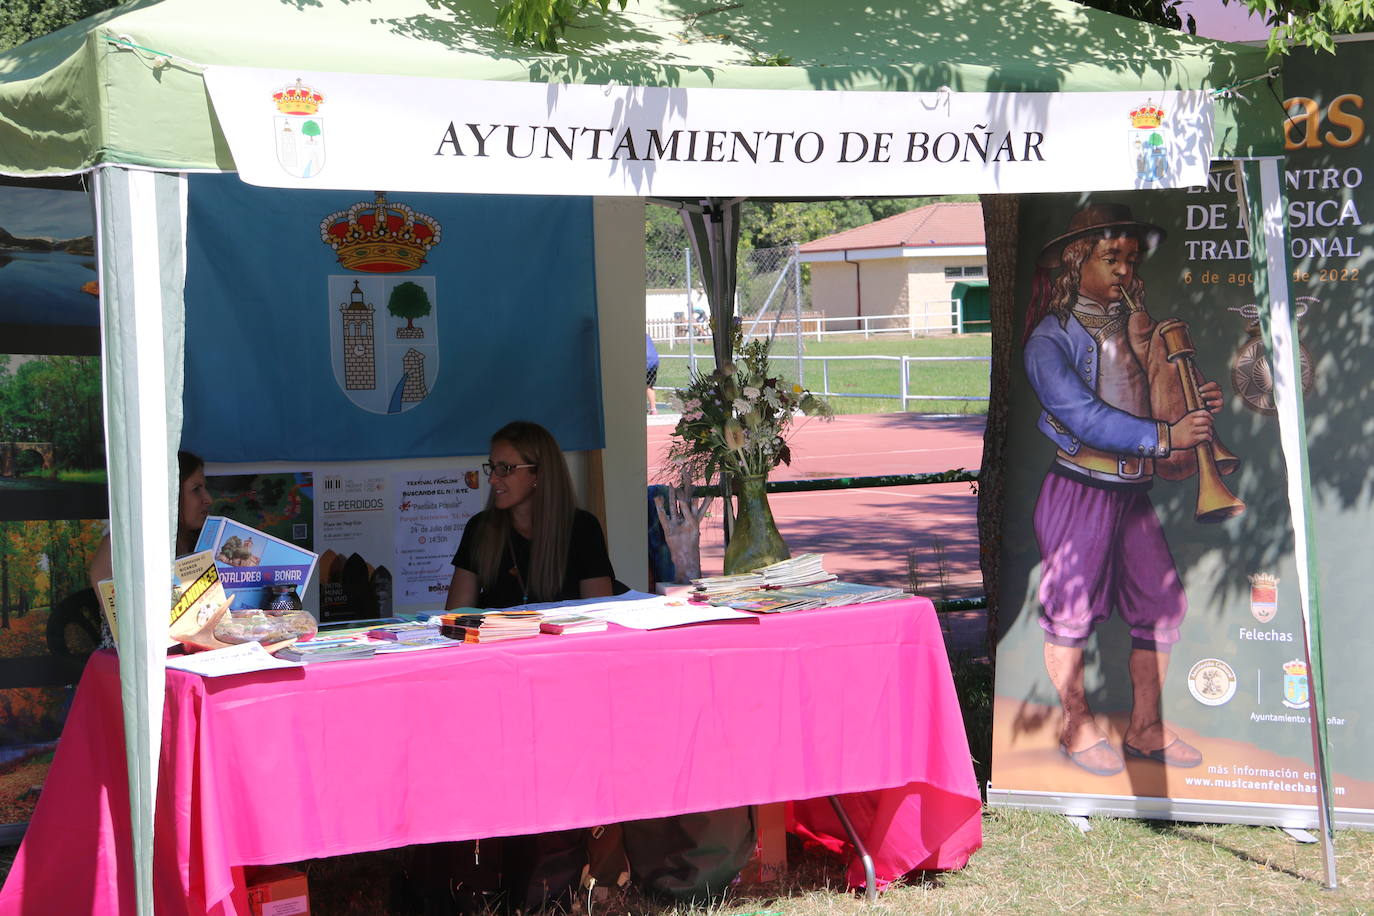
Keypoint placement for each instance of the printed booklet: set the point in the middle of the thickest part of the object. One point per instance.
(250, 561)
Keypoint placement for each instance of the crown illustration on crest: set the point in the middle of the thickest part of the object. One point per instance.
(380, 236)
(1264, 580)
(1295, 667)
(299, 99)
(1147, 116)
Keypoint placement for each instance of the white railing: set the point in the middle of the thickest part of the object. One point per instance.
(904, 394)
(819, 326)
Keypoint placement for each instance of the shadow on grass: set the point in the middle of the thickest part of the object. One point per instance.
(1192, 834)
(363, 884)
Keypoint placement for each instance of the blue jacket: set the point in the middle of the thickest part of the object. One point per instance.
(650, 353)
(1062, 365)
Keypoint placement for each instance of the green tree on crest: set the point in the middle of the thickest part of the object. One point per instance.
(409, 301)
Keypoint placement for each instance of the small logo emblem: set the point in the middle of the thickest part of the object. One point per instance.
(1295, 684)
(1264, 596)
(1147, 143)
(1212, 682)
(299, 130)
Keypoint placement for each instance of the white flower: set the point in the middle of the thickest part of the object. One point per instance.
(741, 406)
(733, 434)
(752, 393)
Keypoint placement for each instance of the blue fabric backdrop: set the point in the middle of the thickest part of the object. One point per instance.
(511, 334)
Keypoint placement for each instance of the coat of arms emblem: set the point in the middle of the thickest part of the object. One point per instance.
(299, 130)
(1295, 684)
(383, 330)
(1147, 143)
(1264, 596)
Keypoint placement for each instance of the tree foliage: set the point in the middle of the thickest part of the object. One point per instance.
(1311, 23)
(777, 224)
(54, 399)
(409, 301)
(21, 20)
(1167, 13)
(542, 22)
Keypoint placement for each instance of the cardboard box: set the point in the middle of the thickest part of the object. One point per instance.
(769, 862)
(277, 890)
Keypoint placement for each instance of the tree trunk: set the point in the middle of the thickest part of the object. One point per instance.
(1000, 226)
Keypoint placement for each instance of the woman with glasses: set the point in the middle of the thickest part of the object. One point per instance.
(531, 543)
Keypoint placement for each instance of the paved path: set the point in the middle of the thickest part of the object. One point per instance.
(866, 534)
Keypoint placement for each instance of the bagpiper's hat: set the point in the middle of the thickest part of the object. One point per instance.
(1102, 219)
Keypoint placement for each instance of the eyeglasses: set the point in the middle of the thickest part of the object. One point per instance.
(501, 468)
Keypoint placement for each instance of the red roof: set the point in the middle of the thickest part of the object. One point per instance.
(934, 225)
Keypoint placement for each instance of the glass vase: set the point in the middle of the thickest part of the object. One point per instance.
(755, 540)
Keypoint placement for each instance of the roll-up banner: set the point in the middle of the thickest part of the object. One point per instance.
(1150, 658)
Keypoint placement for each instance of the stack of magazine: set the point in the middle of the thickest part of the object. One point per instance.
(803, 569)
(326, 650)
(571, 622)
(792, 585)
(801, 597)
(409, 636)
(490, 626)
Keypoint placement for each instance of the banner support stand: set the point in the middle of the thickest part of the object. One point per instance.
(1268, 232)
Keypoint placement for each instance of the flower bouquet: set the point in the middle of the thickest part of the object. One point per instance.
(735, 419)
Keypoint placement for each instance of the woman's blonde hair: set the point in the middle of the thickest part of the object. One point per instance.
(553, 509)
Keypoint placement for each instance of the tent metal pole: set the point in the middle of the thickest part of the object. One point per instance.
(1268, 229)
(141, 230)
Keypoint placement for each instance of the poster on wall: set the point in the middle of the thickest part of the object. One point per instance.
(386, 533)
(52, 437)
(1150, 659)
(49, 288)
(49, 624)
(52, 475)
(434, 508)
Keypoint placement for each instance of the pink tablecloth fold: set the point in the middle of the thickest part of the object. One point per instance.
(513, 738)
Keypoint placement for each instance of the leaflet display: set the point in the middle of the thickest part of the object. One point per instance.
(250, 561)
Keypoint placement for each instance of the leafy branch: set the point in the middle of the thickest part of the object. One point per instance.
(542, 22)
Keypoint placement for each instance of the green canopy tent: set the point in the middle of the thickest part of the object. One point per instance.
(126, 96)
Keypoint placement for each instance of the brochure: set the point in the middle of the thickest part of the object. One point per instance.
(251, 561)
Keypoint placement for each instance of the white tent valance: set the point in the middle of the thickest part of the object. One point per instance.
(296, 129)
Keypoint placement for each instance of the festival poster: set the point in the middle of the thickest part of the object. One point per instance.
(1150, 653)
(353, 538)
(434, 508)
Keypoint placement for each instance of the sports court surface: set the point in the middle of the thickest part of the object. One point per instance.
(865, 534)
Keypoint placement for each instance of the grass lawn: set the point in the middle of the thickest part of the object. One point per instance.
(868, 376)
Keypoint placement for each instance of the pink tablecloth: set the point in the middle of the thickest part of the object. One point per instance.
(493, 740)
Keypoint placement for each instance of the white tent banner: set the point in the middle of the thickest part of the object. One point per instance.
(296, 129)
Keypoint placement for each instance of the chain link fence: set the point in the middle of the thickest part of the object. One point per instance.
(770, 301)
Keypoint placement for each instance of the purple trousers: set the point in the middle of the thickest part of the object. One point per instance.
(1103, 548)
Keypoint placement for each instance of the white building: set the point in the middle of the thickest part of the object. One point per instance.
(928, 266)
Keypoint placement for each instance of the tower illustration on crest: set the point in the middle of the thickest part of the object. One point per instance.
(359, 343)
